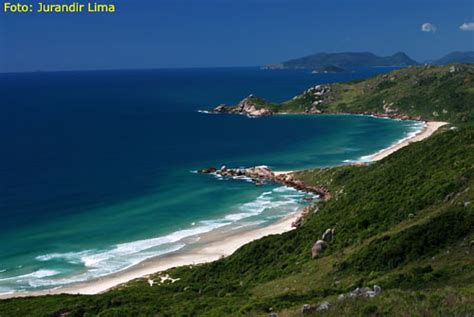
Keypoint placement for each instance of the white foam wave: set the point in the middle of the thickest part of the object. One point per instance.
(33, 275)
(206, 112)
(272, 204)
(267, 201)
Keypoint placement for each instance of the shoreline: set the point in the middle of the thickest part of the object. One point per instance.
(429, 128)
(216, 244)
(212, 245)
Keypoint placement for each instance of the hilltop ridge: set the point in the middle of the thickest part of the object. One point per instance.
(428, 92)
(345, 60)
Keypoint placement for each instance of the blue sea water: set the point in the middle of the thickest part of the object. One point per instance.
(97, 168)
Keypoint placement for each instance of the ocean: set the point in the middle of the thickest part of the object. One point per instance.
(98, 168)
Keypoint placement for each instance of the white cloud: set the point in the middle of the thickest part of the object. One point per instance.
(428, 27)
(467, 26)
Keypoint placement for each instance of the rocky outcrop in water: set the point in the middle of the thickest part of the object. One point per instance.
(249, 106)
(261, 174)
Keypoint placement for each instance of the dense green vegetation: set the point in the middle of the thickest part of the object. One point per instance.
(443, 93)
(405, 223)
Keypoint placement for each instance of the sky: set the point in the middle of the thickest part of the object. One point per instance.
(146, 34)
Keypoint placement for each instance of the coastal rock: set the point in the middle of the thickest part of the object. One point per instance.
(297, 223)
(363, 292)
(377, 290)
(323, 306)
(328, 235)
(248, 106)
(220, 108)
(308, 309)
(260, 174)
(318, 248)
(208, 170)
(455, 69)
(388, 108)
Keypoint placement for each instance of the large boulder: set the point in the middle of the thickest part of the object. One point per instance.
(328, 235)
(318, 248)
(308, 309)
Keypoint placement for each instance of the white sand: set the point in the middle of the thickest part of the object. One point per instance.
(216, 244)
(428, 130)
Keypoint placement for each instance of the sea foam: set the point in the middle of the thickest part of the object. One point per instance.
(268, 206)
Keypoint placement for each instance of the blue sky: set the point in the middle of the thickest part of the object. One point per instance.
(215, 33)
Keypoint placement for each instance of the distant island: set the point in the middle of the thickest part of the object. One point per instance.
(333, 62)
(456, 57)
(344, 60)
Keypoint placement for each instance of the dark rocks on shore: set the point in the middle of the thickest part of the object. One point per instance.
(208, 170)
(259, 174)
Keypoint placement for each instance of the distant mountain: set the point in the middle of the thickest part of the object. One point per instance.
(345, 60)
(456, 57)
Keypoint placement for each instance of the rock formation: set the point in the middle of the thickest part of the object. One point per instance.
(260, 174)
(318, 248)
(328, 235)
(247, 107)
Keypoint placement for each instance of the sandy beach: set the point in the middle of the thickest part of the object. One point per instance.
(211, 246)
(428, 130)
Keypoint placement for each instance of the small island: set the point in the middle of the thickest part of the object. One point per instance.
(329, 69)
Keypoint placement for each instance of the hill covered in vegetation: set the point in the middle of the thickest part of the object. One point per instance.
(405, 224)
(346, 60)
(466, 57)
(443, 93)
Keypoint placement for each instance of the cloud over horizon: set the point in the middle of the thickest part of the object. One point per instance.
(428, 27)
(467, 26)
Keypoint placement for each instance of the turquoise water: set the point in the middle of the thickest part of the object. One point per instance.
(98, 168)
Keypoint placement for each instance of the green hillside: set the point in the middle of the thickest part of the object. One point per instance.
(405, 223)
(443, 93)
